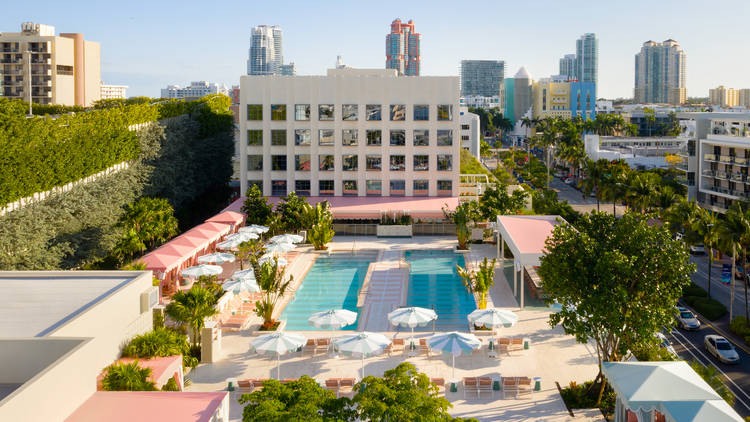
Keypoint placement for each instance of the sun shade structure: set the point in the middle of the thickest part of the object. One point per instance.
(253, 228)
(241, 285)
(276, 248)
(201, 270)
(279, 343)
(362, 344)
(454, 343)
(287, 238)
(232, 218)
(280, 261)
(492, 318)
(235, 240)
(412, 317)
(525, 236)
(670, 388)
(216, 258)
(332, 319)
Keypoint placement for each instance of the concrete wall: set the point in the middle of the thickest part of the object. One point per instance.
(93, 75)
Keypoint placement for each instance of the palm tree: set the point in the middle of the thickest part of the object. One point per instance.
(127, 377)
(527, 123)
(731, 235)
(707, 227)
(641, 189)
(595, 172)
(615, 185)
(192, 308)
(479, 281)
(273, 284)
(665, 197)
(744, 220)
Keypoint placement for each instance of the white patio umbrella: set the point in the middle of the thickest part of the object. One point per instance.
(287, 238)
(240, 275)
(270, 257)
(253, 228)
(333, 319)
(493, 317)
(454, 343)
(276, 248)
(241, 285)
(235, 240)
(362, 344)
(216, 258)
(412, 317)
(200, 270)
(278, 343)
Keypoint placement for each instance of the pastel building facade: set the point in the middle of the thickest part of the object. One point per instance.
(470, 131)
(353, 132)
(660, 71)
(64, 69)
(193, 91)
(109, 92)
(403, 48)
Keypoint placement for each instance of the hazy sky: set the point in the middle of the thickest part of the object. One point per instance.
(149, 44)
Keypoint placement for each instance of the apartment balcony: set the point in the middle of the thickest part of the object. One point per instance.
(45, 82)
(11, 60)
(682, 165)
(726, 160)
(9, 50)
(41, 72)
(40, 60)
(683, 180)
(737, 194)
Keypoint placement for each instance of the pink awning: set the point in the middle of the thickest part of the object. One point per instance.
(184, 247)
(233, 218)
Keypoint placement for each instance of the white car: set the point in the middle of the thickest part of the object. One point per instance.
(721, 348)
(697, 249)
(665, 343)
(687, 319)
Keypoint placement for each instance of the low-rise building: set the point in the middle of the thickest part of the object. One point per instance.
(470, 131)
(638, 152)
(109, 92)
(563, 99)
(194, 91)
(478, 101)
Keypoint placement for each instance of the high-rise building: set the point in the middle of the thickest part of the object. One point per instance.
(402, 48)
(194, 91)
(481, 77)
(568, 66)
(266, 55)
(743, 97)
(64, 69)
(518, 95)
(724, 97)
(660, 73)
(109, 92)
(587, 58)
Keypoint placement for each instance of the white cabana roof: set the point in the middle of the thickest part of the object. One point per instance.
(672, 388)
(526, 234)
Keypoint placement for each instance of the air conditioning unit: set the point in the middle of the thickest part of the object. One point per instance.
(149, 298)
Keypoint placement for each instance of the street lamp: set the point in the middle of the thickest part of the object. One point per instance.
(28, 59)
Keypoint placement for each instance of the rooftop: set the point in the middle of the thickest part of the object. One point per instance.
(127, 406)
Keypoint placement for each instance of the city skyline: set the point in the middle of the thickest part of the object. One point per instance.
(142, 60)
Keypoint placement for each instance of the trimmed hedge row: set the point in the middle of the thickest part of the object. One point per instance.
(696, 297)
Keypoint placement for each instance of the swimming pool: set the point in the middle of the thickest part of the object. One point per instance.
(435, 284)
(331, 283)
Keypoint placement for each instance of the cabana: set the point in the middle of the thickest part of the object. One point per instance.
(664, 391)
(234, 219)
(525, 236)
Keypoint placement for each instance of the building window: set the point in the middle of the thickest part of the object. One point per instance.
(374, 188)
(444, 162)
(278, 162)
(258, 183)
(398, 188)
(398, 112)
(445, 187)
(255, 137)
(464, 127)
(398, 163)
(325, 162)
(374, 137)
(278, 187)
(398, 138)
(374, 163)
(445, 112)
(325, 112)
(349, 137)
(421, 188)
(349, 112)
(349, 187)
(255, 112)
(325, 137)
(421, 112)
(302, 112)
(464, 137)
(278, 111)
(374, 111)
(349, 162)
(278, 137)
(325, 187)
(302, 162)
(302, 137)
(254, 163)
(302, 187)
(444, 137)
(421, 162)
(421, 137)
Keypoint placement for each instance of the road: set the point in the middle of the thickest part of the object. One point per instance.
(719, 291)
(577, 200)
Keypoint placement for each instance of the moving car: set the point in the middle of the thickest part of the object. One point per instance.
(569, 181)
(687, 319)
(665, 343)
(697, 249)
(721, 348)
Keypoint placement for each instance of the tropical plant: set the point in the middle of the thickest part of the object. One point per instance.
(246, 250)
(290, 209)
(596, 172)
(395, 218)
(160, 342)
(479, 281)
(715, 379)
(615, 186)
(170, 385)
(147, 222)
(707, 227)
(641, 190)
(320, 231)
(497, 201)
(485, 149)
(192, 308)
(734, 237)
(127, 377)
(273, 285)
(462, 217)
(664, 198)
(256, 207)
(604, 274)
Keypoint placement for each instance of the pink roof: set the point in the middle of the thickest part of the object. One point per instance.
(227, 217)
(146, 406)
(355, 207)
(162, 368)
(529, 232)
(185, 246)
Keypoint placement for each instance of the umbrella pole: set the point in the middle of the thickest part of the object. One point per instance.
(363, 366)
(454, 366)
(278, 367)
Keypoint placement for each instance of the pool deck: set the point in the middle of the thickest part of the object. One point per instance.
(553, 356)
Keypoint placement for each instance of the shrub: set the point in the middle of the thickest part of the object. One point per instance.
(709, 308)
(583, 396)
(127, 377)
(170, 385)
(395, 219)
(694, 290)
(739, 326)
(159, 343)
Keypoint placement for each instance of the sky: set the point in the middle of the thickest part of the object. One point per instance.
(150, 44)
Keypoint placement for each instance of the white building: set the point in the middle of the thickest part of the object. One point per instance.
(478, 101)
(353, 132)
(113, 91)
(470, 131)
(638, 152)
(196, 90)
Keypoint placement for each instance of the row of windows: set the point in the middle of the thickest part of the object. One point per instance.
(350, 112)
(350, 137)
(350, 162)
(350, 187)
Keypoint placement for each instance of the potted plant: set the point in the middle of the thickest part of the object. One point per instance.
(479, 282)
(394, 224)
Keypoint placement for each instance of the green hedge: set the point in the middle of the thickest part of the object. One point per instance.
(697, 298)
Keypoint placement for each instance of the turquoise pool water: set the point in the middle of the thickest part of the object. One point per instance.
(332, 283)
(435, 284)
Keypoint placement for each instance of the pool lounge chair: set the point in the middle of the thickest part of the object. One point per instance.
(310, 347)
(332, 384)
(510, 387)
(322, 344)
(423, 347)
(346, 387)
(524, 387)
(245, 386)
(471, 386)
(439, 383)
(396, 346)
(485, 386)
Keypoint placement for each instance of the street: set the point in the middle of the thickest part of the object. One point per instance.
(719, 291)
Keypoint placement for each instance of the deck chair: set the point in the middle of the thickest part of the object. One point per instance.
(485, 386)
(503, 345)
(439, 383)
(524, 387)
(332, 384)
(423, 347)
(516, 344)
(346, 386)
(510, 387)
(322, 344)
(471, 386)
(245, 386)
(310, 347)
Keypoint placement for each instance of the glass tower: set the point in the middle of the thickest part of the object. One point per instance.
(265, 56)
(402, 48)
(482, 77)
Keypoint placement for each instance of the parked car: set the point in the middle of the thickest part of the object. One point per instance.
(687, 319)
(697, 250)
(665, 344)
(569, 181)
(721, 349)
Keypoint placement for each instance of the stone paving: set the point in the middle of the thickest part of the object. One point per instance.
(553, 356)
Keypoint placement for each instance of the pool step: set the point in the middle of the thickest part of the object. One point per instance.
(384, 291)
